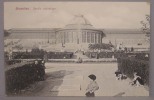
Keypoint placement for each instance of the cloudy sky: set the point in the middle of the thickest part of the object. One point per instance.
(58, 14)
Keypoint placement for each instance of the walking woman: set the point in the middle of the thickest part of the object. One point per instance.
(92, 86)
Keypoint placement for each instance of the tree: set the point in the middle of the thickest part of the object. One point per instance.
(18, 47)
(6, 33)
(146, 26)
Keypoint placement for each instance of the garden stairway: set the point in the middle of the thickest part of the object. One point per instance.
(80, 54)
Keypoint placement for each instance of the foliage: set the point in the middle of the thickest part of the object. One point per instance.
(19, 76)
(130, 65)
(101, 46)
(6, 33)
(146, 26)
(18, 47)
(99, 55)
(28, 55)
(60, 55)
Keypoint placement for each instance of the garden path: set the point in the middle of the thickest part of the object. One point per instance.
(72, 80)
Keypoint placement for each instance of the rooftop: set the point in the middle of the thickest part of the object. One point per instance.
(79, 21)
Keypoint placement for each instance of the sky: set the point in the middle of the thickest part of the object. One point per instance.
(114, 15)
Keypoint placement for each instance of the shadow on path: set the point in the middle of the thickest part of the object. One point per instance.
(119, 94)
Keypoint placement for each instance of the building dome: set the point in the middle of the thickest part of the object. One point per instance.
(79, 21)
(78, 34)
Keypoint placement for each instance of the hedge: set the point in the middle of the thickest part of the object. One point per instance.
(11, 62)
(104, 54)
(130, 65)
(60, 55)
(40, 55)
(19, 76)
(27, 55)
(83, 60)
(117, 54)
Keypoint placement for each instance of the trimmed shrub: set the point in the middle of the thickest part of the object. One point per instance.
(11, 62)
(60, 55)
(27, 55)
(130, 65)
(20, 76)
(83, 60)
(117, 54)
(103, 54)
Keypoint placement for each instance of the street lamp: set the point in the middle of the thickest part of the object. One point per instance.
(48, 37)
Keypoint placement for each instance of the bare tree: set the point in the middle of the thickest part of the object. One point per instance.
(146, 26)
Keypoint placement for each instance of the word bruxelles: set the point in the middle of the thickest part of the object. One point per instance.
(34, 8)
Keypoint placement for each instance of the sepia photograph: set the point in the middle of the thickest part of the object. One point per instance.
(86, 49)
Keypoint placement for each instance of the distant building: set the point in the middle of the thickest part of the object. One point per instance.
(127, 38)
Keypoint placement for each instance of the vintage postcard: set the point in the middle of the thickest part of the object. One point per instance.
(77, 48)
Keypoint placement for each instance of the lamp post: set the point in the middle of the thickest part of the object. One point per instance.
(48, 37)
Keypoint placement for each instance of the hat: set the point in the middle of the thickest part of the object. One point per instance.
(92, 76)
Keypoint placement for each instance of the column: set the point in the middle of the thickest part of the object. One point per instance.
(100, 38)
(86, 36)
(94, 38)
(90, 36)
(83, 37)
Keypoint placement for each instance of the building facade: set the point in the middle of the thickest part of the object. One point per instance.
(79, 31)
(78, 34)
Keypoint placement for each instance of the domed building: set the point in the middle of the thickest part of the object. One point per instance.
(78, 34)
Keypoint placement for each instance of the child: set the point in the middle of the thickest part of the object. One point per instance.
(92, 87)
